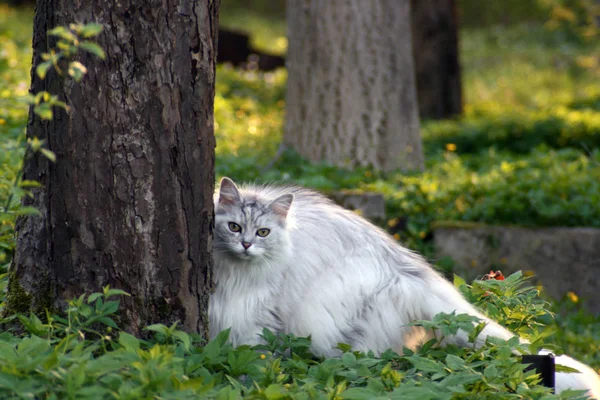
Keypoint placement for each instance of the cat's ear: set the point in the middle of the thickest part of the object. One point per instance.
(229, 194)
(282, 204)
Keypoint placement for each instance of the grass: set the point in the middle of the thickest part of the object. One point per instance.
(265, 19)
(525, 67)
(15, 63)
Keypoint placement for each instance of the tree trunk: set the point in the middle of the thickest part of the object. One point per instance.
(435, 46)
(351, 97)
(129, 200)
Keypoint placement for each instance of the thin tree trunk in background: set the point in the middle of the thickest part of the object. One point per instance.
(129, 200)
(351, 97)
(436, 54)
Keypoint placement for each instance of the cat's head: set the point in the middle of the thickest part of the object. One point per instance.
(250, 227)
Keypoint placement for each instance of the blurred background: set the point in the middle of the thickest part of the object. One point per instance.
(509, 103)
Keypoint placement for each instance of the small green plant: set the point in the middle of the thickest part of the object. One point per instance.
(71, 41)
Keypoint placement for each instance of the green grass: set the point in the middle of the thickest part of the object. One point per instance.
(525, 67)
(15, 63)
(265, 20)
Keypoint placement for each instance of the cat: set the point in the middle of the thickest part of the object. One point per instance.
(288, 259)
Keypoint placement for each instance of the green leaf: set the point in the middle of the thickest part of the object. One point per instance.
(33, 325)
(458, 281)
(28, 98)
(93, 297)
(213, 348)
(77, 70)
(460, 378)
(344, 347)
(42, 69)
(62, 32)
(274, 392)
(27, 210)
(116, 292)
(93, 48)
(564, 368)
(425, 364)
(48, 154)
(90, 30)
(108, 322)
(184, 337)
(128, 341)
(26, 183)
(58, 103)
(110, 307)
(359, 394)
(454, 362)
(349, 360)
(490, 372)
(44, 111)
(158, 328)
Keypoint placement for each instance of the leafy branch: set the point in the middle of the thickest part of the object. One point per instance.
(71, 41)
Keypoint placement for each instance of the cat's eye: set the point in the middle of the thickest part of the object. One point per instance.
(263, 232)
(233, 227)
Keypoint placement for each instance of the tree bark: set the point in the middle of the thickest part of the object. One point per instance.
(351, 97)
(129, 200)
(435, 47)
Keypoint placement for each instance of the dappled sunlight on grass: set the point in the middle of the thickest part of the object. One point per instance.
(268, 32)
(15, 63)
(525, 66)
(249, 110)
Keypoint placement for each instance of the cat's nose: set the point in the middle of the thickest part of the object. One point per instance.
(246, 245)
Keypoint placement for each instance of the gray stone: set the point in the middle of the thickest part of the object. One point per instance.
(562, 259)
(369, 205)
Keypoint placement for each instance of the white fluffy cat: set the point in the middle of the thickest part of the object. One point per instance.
(288, 259)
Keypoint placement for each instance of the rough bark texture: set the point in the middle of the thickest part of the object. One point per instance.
(435, 48)
(129, 200)
(351, 97)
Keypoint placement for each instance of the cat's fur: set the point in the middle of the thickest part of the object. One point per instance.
(326, 272)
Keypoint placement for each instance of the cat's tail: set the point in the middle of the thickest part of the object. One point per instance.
(585, 379)
(447, 299)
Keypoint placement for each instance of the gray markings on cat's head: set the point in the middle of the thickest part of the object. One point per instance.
(262, 222)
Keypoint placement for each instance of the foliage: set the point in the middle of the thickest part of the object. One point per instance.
(84, 354)
(249, 17)
(248, 112)
(536, 91)
(519, 131)
(577, 19)
(473, 15)
(12, 185)
(548, 188)
(525, 67)
(15, 62)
